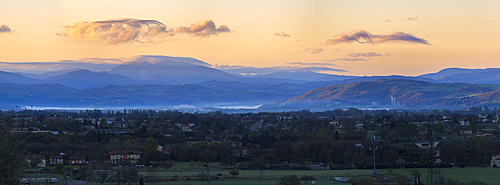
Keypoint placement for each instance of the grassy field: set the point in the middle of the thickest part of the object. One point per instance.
(270, 177)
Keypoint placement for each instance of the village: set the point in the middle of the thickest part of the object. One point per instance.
(132, 142)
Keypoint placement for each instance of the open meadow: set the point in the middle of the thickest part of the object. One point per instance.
(271, 177)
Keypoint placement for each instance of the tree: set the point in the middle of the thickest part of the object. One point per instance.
(289, 180)
(35, 161)
(151, 144)
(11, 152)
(416, 175)
(400, 163)
(141, 181)
(131, 174)
(59, 168)
(103, 123)
(306, 178)
(234, 172)
(202, 176)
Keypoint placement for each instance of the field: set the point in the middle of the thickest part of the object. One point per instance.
(271, 177)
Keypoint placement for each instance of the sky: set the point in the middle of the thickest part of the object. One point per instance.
(351, 37)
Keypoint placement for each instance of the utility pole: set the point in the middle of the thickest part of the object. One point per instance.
(31, 116)
(432, 172)
(17, 116)
(373, 149)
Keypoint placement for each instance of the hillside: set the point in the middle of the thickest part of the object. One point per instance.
(396, 92)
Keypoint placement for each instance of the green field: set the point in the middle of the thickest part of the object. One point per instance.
(270, 177)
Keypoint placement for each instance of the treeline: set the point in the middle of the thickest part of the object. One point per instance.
(339, 138)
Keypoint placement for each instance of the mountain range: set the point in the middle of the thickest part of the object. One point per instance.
(396, 93)
(151, 80)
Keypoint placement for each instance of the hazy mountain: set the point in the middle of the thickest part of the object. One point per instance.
(85, 79)
(393, 92)
(48, 74)
(269, 80)
(336, 78)
(17, 78)
(471, 76)
(477, 76)
(36, 94)
(375, 78)
(445, 72)
(145, 67)
(295, 75)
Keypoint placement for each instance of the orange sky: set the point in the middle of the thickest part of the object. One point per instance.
(404, 37)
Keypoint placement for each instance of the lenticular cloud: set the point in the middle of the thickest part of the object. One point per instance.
(362, 36)
(133, 30)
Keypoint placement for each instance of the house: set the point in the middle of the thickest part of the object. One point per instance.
(42, 162)
(166, 151)
(76, 161)
(465, 123)
(484, 134)
(56, 159)
(186, 127)
(124, 157)
(261, 124)
(495, 161)
(319, 166)
(114, 131)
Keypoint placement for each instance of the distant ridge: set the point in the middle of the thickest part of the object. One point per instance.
(407, 93)
(144, 67)
(85, 79)
(17, 78)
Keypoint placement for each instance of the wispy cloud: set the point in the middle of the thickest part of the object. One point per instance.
(311, 63)
(362, 36)
(4, 28)
(267, 70)
(314, 50)
(42, 67)
(411, 19)
(133, 30)
(369, 54)
(346, 59)
(387, 20)
(282, 35)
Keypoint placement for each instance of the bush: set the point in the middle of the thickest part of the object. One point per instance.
(234, 172)
(289, 180)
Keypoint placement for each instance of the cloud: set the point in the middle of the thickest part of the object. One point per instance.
(228, 66)
(204, 28)
(311, 64)
(369, 54)
(4, 28)
(314, 50)
(282, 34)
(362, 36)
(489, 21)
(387, 20)
(133, 30)
(411, 19)
(346, 59)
